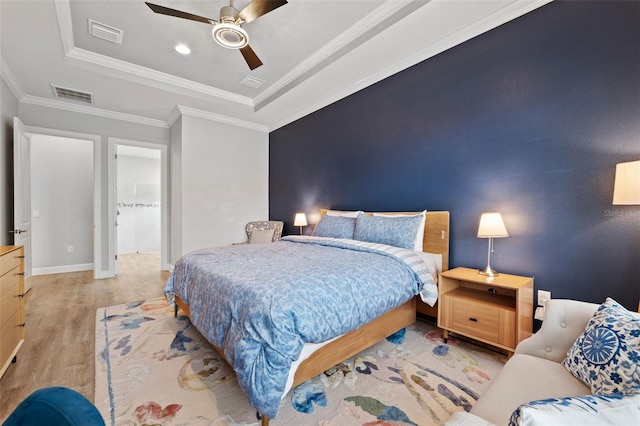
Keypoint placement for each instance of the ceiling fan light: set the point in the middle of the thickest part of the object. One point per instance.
(229, 35)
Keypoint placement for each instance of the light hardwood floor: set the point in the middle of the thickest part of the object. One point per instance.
(59, 348)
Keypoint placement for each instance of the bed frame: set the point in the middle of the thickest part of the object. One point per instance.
(436, 240)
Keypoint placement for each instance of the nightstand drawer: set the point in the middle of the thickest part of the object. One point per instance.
(476, 319)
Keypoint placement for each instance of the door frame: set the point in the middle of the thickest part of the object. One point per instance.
(164, 198)
(98, 267)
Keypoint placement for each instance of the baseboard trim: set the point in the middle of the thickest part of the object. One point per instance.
(62, 269)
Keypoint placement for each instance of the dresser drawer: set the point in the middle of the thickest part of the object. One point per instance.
(9, 280)
(481, 320)
(10, 336)
(9, 300)
(9, 261)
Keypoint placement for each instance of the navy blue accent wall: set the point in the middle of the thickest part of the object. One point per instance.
(528, 119)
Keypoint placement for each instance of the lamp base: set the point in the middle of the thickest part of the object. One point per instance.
(489, 271)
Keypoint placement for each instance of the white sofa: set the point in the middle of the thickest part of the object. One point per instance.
(535, 371)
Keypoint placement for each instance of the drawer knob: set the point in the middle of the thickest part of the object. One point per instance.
(20, 257)
(20, 273)
(473, 319)
(21, 325)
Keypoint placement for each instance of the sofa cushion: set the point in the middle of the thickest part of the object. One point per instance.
(585, 410)
(606, 355)
(525, 378)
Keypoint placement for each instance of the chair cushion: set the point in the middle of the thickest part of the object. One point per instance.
(261, 236)
(55, 406)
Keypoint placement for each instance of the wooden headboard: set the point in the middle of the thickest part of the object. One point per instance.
(436, 233)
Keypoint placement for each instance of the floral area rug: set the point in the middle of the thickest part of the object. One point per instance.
(154, 369)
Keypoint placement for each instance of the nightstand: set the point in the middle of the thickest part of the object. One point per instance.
(494, 310)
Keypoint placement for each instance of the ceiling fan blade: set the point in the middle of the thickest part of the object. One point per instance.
(179, 14)
(250, 56)
(257, 8)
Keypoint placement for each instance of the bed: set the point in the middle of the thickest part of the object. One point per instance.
(241, 333)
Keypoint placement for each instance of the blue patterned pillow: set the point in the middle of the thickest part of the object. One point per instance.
(586, 410)
(335, 227)
(398, 231)
(606, 356)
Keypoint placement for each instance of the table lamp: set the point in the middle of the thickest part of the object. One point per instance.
(300, 220)
(491, 226)
(626, 189)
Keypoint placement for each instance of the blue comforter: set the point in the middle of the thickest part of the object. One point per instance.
(260, 303)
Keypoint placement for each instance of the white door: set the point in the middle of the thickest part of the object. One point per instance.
(22, 194)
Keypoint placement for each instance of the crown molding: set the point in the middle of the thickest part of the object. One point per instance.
(509, 12)
(63, 10)
(192, 112)
(9, 77)
(385, 15)
(160, 80)
(83, 109)
(131, 72)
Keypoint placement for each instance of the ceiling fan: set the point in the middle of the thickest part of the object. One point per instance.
(228, 31)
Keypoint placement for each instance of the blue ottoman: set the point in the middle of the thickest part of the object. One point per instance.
(55, 406)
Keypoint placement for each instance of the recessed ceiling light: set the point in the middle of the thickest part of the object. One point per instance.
(182, 48)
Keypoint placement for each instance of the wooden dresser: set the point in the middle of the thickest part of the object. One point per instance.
(11, 304)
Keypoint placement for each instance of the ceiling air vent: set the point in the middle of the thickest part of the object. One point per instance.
(74, 95)
(252, 82)
(105, 32)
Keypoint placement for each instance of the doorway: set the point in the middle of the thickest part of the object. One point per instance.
(62, 195)
(138, 201)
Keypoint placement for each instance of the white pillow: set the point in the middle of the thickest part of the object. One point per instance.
(343, 213)
(261, 236)
(419, 240)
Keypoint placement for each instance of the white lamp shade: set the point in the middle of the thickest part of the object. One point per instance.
(300, 220)
(626, 189)
(492, 226)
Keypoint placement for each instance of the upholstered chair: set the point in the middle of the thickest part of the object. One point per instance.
(264, 231)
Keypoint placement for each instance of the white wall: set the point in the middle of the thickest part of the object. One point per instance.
(175, 191)
(223, 181)
(35, 115)
(8, 110)
(62, 204)
(139, 200)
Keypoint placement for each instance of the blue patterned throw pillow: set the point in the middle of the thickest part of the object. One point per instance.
(397, 231)
(585, 410)
(606, 356)
(335, 227)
